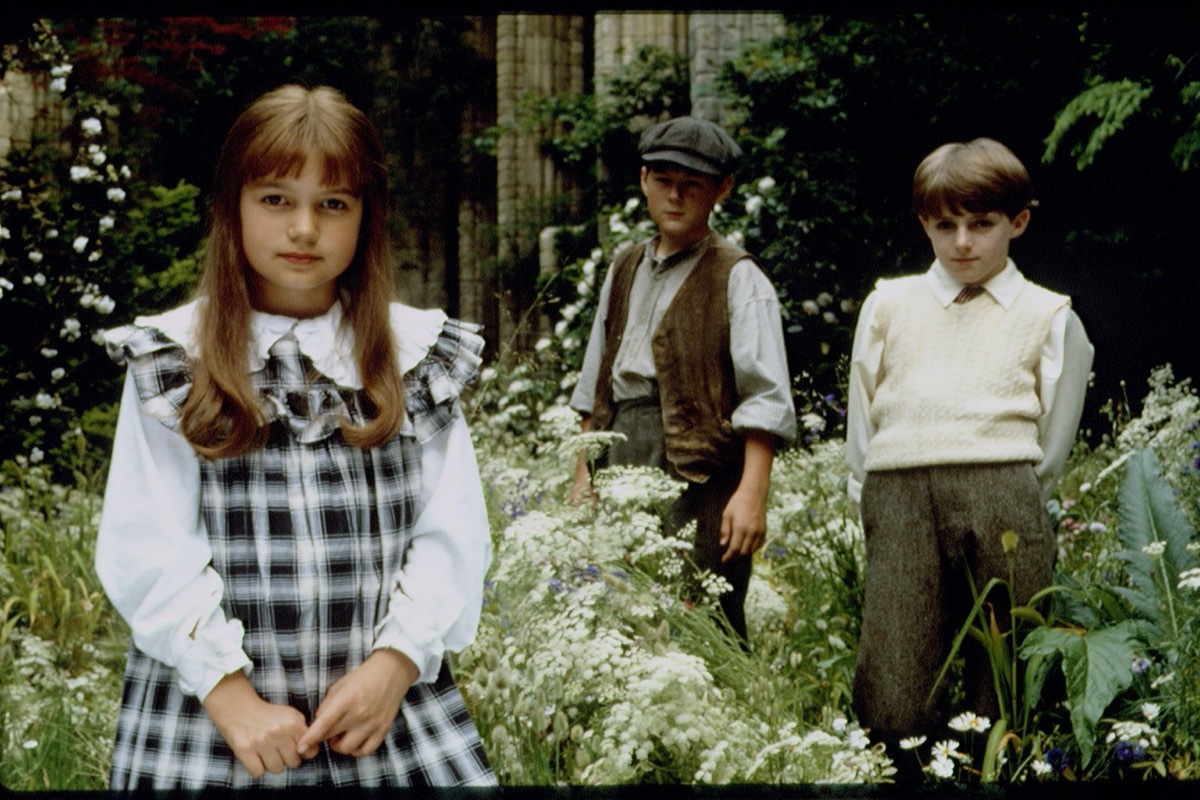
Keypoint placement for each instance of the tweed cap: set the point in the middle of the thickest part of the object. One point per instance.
(692, 143)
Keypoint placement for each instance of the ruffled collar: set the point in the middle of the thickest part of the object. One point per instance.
(324, 339)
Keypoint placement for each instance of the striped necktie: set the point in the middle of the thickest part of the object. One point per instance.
(969, 292)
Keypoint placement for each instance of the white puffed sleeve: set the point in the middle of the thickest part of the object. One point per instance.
(153, 556)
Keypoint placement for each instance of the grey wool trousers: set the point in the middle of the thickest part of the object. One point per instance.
(926, 530)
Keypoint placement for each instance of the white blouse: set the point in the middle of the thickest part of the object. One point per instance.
(153, 555)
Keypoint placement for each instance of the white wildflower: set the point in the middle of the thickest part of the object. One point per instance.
(969, 721)
(58, 85)
(941, 766)
(81, 172)
(912, 742)
(1040, 767)
(91, 126)
(11, 194)
(1162, 680)
(766, 184)
(631, 205)
(49, 352)
(116, 194)
(812, 422)
(1190, 578)
(36, 256)
(107, 222)
(754, 204)
(1154, 549)
(57, 374)
(810, 307)
(1150, 711)
(36, 455)
(80, 244)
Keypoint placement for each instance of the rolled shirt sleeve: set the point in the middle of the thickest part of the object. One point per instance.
(759, 356)
(153, 557)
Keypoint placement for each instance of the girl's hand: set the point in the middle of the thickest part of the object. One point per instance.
(262, 735)
(360, 708)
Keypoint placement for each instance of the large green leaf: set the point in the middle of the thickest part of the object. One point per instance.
(1149, 515)
(1096, 665)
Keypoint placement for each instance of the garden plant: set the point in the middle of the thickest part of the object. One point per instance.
(589, 668)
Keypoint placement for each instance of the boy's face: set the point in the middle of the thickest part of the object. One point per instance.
(973, 247)
(680, 202)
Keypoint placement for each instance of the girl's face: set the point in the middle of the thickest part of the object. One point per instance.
(299, 235)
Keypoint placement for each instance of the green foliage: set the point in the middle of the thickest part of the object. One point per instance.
(1096, 665)
(160, 247)
(1156, 533)
(1113, 102)
(61, 644)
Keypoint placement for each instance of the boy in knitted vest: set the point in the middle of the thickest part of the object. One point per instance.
(686, 357)
(967, 385)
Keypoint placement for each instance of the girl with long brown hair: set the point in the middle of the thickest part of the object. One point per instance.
(294, 524)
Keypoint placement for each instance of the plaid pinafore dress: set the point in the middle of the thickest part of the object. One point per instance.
(306, 534)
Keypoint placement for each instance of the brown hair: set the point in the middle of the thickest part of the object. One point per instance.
(977, 177)
(274, 136)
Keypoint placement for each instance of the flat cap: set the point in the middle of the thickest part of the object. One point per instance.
(692, 143)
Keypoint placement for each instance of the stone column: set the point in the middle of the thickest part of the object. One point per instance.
(536, 56)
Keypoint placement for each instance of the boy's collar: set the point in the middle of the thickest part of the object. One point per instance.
(666, 262)
(1004, 287)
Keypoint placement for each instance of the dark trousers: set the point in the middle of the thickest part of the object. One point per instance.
(926, 529)
(645, 445)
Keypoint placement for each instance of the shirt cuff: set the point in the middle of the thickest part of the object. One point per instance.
(424, 646)
(214, 652)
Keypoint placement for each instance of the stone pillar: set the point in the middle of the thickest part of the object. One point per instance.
(619, 37)
(717, 38)
(478, 286)
(536, 56)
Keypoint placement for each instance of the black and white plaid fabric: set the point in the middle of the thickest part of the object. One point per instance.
(306, 534)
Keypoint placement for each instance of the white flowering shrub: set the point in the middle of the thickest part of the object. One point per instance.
(57, 214)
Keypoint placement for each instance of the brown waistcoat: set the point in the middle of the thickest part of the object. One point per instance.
(691, 358)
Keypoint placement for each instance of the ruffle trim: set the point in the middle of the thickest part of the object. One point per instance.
(162, 376)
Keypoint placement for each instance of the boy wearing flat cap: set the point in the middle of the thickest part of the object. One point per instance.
(686, 357)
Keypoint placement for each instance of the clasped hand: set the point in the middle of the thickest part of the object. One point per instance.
(354, 717)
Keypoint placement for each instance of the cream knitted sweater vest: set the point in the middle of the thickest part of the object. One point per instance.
(957, 384)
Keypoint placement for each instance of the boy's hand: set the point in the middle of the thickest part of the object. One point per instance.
(743, 524)
(360, 708)
(262, 735)
(744, 521)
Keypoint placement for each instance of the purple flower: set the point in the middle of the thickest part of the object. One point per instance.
(1140, 665)
(1126, 752)
(1058, 759)
(557, 585)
